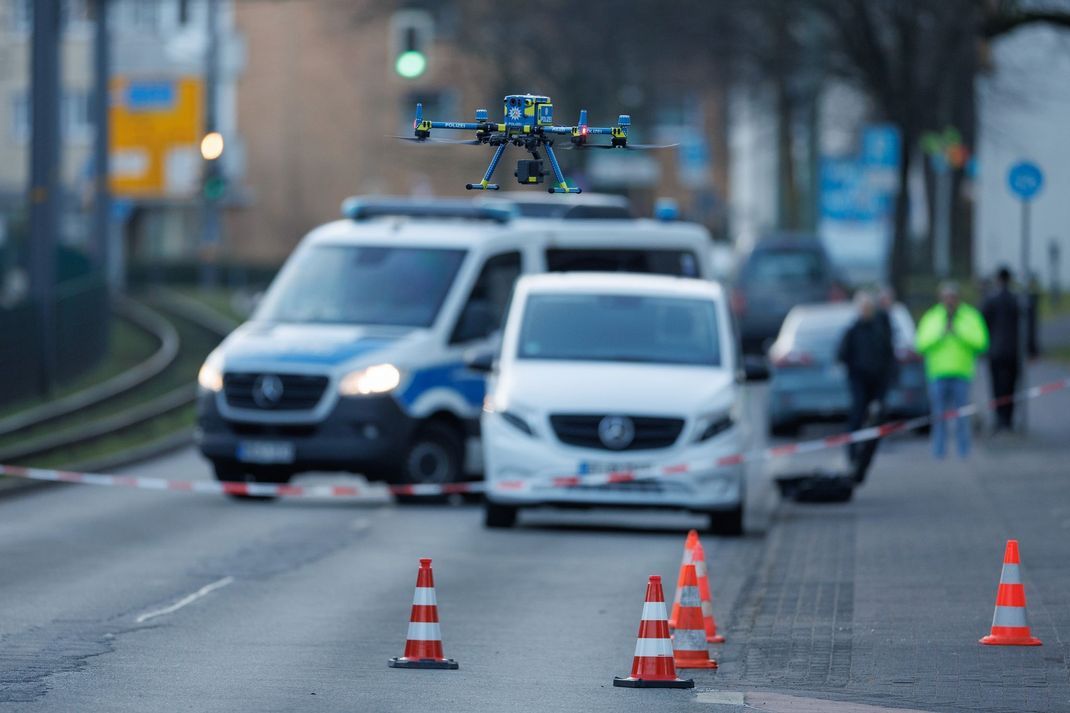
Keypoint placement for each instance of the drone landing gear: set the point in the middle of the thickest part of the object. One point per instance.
(562, 186)
(485, 184)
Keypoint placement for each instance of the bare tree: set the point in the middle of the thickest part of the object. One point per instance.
(917, 60)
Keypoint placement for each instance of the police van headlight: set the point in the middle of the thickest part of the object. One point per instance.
(210, 377)
(378, 379)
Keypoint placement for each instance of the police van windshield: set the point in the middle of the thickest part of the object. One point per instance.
(627, 328)
(362, 284)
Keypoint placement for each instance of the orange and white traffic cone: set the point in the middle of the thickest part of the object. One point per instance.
(689, 648)
(423, 646)
(1009, 624)
(688, 558)
(712, 637)
(653, 665)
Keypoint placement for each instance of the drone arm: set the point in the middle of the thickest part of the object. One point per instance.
(459, 125)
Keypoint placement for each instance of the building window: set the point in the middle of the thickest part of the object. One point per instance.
(19, 117)
(139, 15)
(73, 15)
(76, 117)
(21, 15)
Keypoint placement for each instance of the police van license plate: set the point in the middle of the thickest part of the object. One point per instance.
(265, 452)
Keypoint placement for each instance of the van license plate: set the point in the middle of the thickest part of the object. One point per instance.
(602, 468)
(266, 452)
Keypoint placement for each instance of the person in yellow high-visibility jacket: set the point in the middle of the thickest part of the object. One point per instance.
(951, 335)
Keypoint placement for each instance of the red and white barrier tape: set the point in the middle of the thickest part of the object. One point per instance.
(364, 492)
(232, 488)
(780, 451)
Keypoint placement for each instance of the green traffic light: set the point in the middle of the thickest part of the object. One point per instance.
(215, 187)
(410, 64)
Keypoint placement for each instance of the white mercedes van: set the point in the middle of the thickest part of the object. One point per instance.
(602, 374)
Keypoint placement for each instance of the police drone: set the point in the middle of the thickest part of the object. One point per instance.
(528, 124)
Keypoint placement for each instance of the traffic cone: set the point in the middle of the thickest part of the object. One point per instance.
(712, 637)
(689, 640)
(1009, 624)
(423, 646)
(688, 558)
(653, 665)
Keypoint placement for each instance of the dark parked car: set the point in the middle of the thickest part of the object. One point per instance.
(808, 383)
(778, 273)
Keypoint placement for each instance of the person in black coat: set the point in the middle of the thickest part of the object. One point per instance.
(866, 351)
(1002, 312)
(885, 305)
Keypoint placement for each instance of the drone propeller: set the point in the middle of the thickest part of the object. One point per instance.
(433, 140)
(628, 147)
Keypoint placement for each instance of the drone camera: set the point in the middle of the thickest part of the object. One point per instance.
(529, 171)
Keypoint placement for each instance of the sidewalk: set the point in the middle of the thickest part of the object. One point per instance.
(882, 600)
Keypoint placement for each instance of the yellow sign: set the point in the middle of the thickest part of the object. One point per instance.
(156, 127)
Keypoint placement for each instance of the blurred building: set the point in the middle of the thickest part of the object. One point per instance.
(157, 115)
(322, 96)
(1025, 115)
(318, 105)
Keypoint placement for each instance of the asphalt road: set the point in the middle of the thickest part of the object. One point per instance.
(118, 600)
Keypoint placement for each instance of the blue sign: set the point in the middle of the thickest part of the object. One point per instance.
(1025, 179)
(150, 96)
(850, 193)
(880, 146)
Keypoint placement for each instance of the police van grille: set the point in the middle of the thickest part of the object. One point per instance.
(299, 391)
(650, 431)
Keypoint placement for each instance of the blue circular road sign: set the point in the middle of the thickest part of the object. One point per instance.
(1025, 179)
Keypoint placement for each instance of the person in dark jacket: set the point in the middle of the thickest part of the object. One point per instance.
(866, 351)
(1001, 311)
(885, 305)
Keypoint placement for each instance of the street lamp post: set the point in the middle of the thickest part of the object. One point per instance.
(211, 153)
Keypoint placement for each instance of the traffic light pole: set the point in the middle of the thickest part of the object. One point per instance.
(210, 223)
(101, 192)
(44, 181)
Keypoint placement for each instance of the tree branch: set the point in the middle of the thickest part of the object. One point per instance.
(1001, 24)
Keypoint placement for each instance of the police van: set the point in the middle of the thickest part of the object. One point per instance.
(354, 359)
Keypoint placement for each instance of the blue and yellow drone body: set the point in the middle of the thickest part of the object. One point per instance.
(528, 124)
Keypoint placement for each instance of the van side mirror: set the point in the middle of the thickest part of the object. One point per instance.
(481, 360)
(478, 320)
(755, 368)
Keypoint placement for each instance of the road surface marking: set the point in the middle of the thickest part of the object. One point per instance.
(184, 601)
(724, 698)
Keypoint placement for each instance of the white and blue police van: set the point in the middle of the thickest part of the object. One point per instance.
(354, 360)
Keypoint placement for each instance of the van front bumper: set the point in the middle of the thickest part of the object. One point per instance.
(520, 471)
(367, 435)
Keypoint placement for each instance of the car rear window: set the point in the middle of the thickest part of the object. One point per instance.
(679, 263)
(785, 265)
